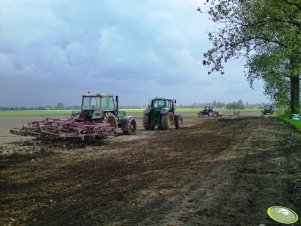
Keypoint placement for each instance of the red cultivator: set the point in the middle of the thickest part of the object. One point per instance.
(73, 128)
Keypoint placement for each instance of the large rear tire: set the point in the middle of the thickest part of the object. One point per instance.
(178, 121)
(210, 113)
(111, 119)
(131, 127)
(147, 122)
(167, 121)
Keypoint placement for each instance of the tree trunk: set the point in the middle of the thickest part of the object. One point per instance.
(295, 94)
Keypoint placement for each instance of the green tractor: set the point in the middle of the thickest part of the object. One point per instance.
(103, 108)
(161, 113)
(268, 109)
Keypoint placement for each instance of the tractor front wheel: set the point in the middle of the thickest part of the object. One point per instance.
(167, 121)
(131, 127)
(111, 119)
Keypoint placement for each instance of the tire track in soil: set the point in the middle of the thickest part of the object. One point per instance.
(212, 182)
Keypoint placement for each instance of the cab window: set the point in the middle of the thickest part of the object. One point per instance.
(108, 103)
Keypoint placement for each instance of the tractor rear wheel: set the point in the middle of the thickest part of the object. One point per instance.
(167, 121)
(131, 127)
(178, 121)
(110, 119)
(147, 122)
(210, 113)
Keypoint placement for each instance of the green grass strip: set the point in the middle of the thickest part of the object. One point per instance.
(294, 123)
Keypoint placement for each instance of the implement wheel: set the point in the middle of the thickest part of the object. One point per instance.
(167, 121)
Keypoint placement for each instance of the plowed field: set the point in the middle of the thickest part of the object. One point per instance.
(210, 172)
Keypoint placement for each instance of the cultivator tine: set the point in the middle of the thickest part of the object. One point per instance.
(18, 132)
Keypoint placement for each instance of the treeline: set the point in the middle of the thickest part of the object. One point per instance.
(40, 108)
(216, 104)
(58, 106)
(232, 105)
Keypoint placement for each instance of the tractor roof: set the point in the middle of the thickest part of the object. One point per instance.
(97, 94)
(161, 98)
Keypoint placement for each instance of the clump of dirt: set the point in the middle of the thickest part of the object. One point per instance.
(212, 172)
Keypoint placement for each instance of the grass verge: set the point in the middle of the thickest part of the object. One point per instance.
(294, 123)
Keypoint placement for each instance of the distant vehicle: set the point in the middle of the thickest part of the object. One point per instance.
(268, 109)
(208, 110)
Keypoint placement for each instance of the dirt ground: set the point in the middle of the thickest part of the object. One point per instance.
(210, 172)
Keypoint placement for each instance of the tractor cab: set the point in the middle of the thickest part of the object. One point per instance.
(160, 103)
(94, 105)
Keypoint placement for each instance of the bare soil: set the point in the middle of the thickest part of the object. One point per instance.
(210, 172)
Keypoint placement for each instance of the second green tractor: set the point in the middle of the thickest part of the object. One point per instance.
(161, 113)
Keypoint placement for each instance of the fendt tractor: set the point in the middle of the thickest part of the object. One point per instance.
(99, 118)
(161, 113)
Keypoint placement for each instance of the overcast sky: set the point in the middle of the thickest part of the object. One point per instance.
(54, 50)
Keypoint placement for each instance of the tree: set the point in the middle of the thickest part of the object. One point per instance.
(236, 105)
(60, 106)
(269, 66)
(257, 30)
(218, 104)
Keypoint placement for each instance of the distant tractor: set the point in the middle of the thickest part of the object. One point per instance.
(268, 109)
(99, 117)
(208, 110)
(161, 113)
